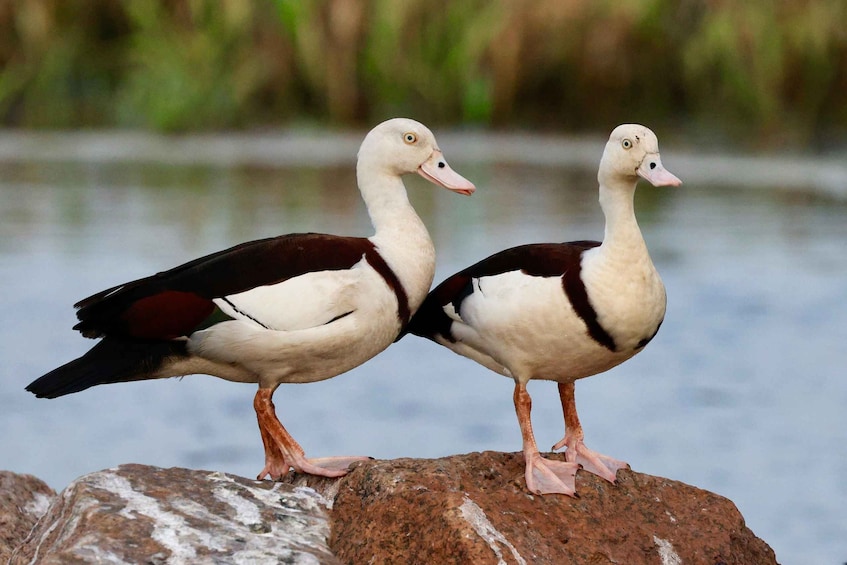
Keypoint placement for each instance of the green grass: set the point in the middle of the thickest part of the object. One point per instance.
(763, 72)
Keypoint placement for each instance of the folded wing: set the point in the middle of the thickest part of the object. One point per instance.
(181, 300)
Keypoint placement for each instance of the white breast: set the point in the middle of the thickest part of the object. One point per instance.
(627, 294)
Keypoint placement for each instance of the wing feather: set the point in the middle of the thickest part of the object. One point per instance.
(539, 260)
(173, 303)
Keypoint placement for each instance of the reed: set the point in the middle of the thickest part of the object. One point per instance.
(752, 69)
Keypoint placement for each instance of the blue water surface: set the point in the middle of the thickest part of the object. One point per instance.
(742, 392)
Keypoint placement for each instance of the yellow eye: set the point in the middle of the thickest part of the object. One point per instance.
(626, 143)
(410, 138)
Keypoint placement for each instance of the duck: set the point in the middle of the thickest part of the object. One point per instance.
(561, 311)
(296, 308)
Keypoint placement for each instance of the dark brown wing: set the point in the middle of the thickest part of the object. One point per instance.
(174, 303)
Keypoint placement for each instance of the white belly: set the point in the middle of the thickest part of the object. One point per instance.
(528, 325)
(309, 354)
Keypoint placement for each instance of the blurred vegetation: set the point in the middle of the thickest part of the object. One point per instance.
(764, 71)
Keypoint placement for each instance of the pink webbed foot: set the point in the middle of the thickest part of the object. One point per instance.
(338, 463)
(282, 452)
(591, 461)
(332, 467)
(545, 476)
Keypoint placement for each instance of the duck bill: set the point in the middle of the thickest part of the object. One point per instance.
(652, 171)
(437, 171)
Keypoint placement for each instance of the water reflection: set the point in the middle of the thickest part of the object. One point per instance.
(742, 392)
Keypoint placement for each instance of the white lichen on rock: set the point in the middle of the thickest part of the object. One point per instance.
(666, 552)
(475, 516)
(134, 513)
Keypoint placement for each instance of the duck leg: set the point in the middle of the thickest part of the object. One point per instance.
(543, 476)
(283, 452)
(593, 462)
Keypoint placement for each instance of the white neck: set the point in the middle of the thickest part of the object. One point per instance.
(400, 234)
(622, 232)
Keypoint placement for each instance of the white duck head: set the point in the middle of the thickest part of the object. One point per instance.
(631, 152)
(401, 146)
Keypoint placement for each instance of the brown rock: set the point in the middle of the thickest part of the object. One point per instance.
(475, 509)
(23, 500)
(461, 509)
(138, 514)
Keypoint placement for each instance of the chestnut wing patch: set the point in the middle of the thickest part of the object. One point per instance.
(174, 303)
(166, 314)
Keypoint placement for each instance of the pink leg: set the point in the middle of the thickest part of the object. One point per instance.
(543, 476)
(593, 462)
(283, 452)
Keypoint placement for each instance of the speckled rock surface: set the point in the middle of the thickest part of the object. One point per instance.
(139, 514)
(23, 500)
(474, 509)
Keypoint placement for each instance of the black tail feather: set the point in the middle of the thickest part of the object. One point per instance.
(110, 361)
(431, 321)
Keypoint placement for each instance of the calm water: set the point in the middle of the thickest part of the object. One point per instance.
(742, 392)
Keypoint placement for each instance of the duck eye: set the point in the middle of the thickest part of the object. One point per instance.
(410, 137)
(626, 143)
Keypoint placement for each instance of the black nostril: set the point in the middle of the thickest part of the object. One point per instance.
(652, 165)
(441, 165)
